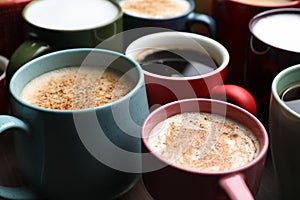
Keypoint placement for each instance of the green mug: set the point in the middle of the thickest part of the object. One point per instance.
(90, 153)
(57, 25)
(284, 126)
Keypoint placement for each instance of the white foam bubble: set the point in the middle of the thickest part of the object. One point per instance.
(280, 30)
(71, 14)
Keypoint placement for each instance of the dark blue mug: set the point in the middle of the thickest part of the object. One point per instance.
(182, 21)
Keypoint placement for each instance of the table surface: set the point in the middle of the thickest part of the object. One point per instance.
(10, 175)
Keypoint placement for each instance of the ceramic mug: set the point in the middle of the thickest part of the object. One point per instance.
(166, 180)
(269, 52)
(163, 89)
(155, 15)
(56, 25)
(284, 124)
(11, 27)
(232, 29)
(90, 153)
(3, 95)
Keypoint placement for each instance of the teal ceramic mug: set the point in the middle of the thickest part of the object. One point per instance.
(89, 153)
(284, 125)
(56, 25)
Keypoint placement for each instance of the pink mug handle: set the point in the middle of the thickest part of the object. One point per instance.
(237, 95)
(236, 187)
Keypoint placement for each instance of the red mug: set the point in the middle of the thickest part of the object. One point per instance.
(163, 89)
(165, 180)
(11, 26)
(232, 18)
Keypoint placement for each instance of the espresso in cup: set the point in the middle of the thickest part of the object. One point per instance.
(174, 62)
(266, 2)
(291, 97)
(155, 9)
(204, 141)
(73, 88)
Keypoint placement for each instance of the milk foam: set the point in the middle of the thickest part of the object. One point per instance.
(155, 9)
(74, 88)
(203, 141)
(279, 30)
(71, 14)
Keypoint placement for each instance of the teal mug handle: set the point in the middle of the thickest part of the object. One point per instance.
(208, 21)
(21, 193)
(28, 50)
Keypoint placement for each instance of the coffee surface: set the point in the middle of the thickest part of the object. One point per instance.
(73, 88)
(71, 15)
(265, 2)
(155, 9)
(279, 30)
(203, 141)
(176, 62)
(291, 96)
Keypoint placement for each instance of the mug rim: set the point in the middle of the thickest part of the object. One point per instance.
(191, 9)
(13, 3)
(139, 82)
(276, 81)
(262, 150)
(4, 62)
(196, 38)
(291, 3)
(267, 13)
(116, 18)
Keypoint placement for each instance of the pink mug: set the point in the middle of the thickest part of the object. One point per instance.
(163, 89)
(165, 180)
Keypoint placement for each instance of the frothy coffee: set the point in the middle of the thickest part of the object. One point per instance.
(203, 141)
(155, 9)
(73, 88)
(279, 30)
(71, 15)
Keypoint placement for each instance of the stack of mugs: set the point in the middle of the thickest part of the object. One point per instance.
(143, 99)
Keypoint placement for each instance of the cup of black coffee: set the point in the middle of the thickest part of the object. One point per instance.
(284, 124)
(181, 65)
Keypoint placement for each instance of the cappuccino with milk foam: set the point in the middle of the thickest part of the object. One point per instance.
(73, 88)
(155, 9)
(203, 141)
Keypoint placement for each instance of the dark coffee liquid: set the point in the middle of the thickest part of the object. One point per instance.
(176, 62)
(291, 97)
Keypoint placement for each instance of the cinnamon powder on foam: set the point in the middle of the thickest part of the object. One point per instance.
(71, 89)
(203, 141)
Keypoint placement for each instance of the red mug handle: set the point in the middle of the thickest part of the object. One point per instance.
(236, 187)
(236, 95)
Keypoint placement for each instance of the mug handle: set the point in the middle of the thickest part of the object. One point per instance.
(236, 187)
(207, 20)
(21, 193)
(236, 95)
(32, 48)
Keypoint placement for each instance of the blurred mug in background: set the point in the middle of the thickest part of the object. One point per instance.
(273, 46)
(232, 18)
(11, 27)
